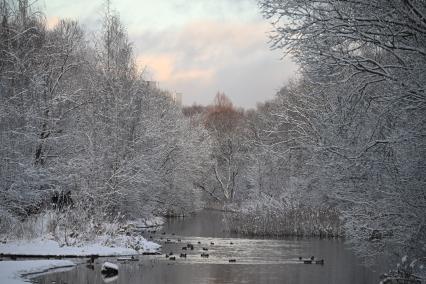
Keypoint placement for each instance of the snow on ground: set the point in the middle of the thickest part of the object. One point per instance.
(138, 243)
(50, 247)
(11, 271)
(154, 221)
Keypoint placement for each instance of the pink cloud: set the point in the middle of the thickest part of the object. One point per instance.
(202, 57)
(199, 49)
(162, 65)
(51, 22)
(164, 68)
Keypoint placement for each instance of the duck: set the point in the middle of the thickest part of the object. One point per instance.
(92, 258)
(321, 261)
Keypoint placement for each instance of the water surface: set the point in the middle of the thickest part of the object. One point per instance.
(257, 260)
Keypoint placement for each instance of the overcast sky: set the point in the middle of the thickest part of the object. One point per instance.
(196, 47)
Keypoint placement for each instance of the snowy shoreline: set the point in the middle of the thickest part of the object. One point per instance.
(47, 247)
(16, 272)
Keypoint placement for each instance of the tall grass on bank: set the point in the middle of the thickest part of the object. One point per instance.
(298, 222)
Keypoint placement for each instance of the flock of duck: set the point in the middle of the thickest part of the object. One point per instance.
(204, 254)
(190, 246)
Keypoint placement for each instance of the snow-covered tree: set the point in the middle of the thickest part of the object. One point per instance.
(82, 131)
(365, 64)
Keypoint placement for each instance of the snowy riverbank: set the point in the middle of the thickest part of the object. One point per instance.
(13, 272)
(102, 246)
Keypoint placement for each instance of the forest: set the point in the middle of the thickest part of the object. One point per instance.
(339, 152)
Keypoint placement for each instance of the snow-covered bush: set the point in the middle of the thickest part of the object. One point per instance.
(406, 272)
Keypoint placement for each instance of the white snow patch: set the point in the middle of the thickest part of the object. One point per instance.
(154, 221)
(50, 247)
(11, 271)
(109, 265)
(136, 242)
(150, 246)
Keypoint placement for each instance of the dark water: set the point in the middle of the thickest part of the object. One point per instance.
(257, 260)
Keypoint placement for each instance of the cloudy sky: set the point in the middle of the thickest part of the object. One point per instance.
(196, 47)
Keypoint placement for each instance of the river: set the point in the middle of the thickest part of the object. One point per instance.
(256, 260)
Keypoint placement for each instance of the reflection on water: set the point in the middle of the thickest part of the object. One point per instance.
(257, 260)
(207, 223)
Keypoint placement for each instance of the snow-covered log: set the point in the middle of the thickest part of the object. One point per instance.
(109, 269)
